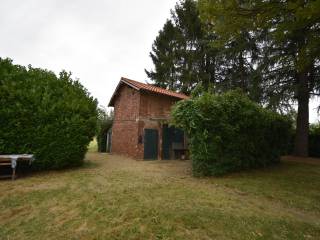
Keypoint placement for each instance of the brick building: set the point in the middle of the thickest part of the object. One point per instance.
(141, 115)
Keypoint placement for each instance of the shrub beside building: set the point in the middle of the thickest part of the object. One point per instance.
(228, 133)
(314, 140)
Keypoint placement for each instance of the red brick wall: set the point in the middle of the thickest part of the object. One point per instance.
(152, 107)
(134, 111)
(125, 126)
(155, 105)
(126, 106)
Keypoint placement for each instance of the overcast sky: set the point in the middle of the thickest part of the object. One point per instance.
(97, 40)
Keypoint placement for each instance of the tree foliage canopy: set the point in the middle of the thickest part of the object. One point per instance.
(186, 54)
(105, 120)
(269, 49)
(287, 34)
(180, 53)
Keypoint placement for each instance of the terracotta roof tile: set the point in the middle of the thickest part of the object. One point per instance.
(151, 88)
(147, 87)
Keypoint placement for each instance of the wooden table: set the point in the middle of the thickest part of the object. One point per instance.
(12, 160)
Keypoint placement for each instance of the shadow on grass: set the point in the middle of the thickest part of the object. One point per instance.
(23, 172)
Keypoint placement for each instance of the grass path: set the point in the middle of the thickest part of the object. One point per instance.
(113, 197)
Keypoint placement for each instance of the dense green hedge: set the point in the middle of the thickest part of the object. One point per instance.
(52, 117)
(314, 140)
(229, 132)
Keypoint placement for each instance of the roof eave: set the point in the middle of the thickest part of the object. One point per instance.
(127, 82)
(163, 94)
(122, 80)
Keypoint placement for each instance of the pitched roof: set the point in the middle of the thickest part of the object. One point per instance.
(146, 87)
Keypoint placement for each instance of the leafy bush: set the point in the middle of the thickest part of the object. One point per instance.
(314, 140)
(105, 120)
(229, 132)
(49, 116)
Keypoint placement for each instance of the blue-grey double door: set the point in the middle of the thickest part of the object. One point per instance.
(151, 137)
(171, 135)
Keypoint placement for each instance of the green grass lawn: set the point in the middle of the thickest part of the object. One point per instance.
(93, 146)
(112, 197)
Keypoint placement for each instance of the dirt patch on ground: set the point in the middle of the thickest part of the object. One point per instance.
(165, 168)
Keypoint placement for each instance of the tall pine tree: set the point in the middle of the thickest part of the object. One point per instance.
(187, 53)
(163, 56)
(181, 55)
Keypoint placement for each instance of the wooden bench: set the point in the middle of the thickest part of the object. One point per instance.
(13, 159)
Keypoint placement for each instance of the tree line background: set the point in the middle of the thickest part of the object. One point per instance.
(268, 49)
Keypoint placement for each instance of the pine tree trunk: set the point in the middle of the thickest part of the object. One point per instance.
(302, 131)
